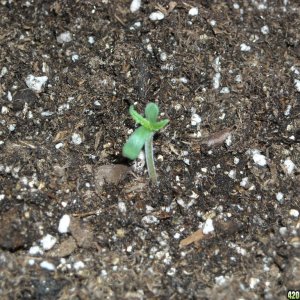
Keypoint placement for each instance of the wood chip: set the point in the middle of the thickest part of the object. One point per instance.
(98, 136)
(194, 237)
(109, 174)
(61, 135)
(82, 233)
(217, 138)
(65, 248)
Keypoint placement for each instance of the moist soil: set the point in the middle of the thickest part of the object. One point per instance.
(79, 221)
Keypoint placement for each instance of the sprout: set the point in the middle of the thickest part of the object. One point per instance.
(143, 136)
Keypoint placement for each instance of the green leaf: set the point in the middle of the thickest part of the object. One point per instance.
(159, 125)
(138, 118)
(135, 142)
(151, 112)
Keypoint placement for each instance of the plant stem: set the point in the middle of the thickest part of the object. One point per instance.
(150, 159)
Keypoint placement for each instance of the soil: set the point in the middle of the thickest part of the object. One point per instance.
(79, 221)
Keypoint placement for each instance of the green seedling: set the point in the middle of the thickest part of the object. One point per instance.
(143, 136)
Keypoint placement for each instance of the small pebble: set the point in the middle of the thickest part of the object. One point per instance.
(64, 224)
(91, 39)
(295, 70)
(232, 174)
(177, 235)
(156, 16)
(150, 219)
(297, 84)
(36, 83)
(193, 11)
(171, 272)
(288, 110)
(213, 23)
(64, 37)
(245, 48)
(228, 141)
(47, 113)
(35, 250)
(245, 183)
(78, 265)
(225, 90)
(75, 57)
(59, 145)
(279, 197)
(220, 280)
(259, 159)
(265, 30)
(294, 213)
(48, 241)
(208, 226)
(47, 265)
(149, 209)
(122, 207)
(289, 166)
(31, 262)
(136, 25)
(216, 81)
(12, 127)
(4, 110)
(4, 71)
(253, 282)
(135, 5)
(163, 56)
(76, 139)
(283, 231)
(195, 119)
(238, 78)
(9, 96)
(181, 202)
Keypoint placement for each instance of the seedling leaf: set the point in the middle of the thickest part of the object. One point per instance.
(139, 118)
(143, 136)
(151, 112)
(159, 125)
(135, 142)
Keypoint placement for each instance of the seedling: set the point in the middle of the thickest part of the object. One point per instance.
(143, 136)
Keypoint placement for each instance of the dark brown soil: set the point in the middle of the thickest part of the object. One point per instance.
(229, 81)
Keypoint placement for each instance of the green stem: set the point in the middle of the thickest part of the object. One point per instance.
(150, 159)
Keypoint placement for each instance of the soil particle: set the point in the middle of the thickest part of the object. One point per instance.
(16, 231)
(64, 249)
(109, 174)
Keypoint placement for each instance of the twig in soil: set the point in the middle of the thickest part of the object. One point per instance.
(87, 214)
(93, 212)
(120, 20)
(193, 238)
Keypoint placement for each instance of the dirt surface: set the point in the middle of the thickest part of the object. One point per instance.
(79, 221)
